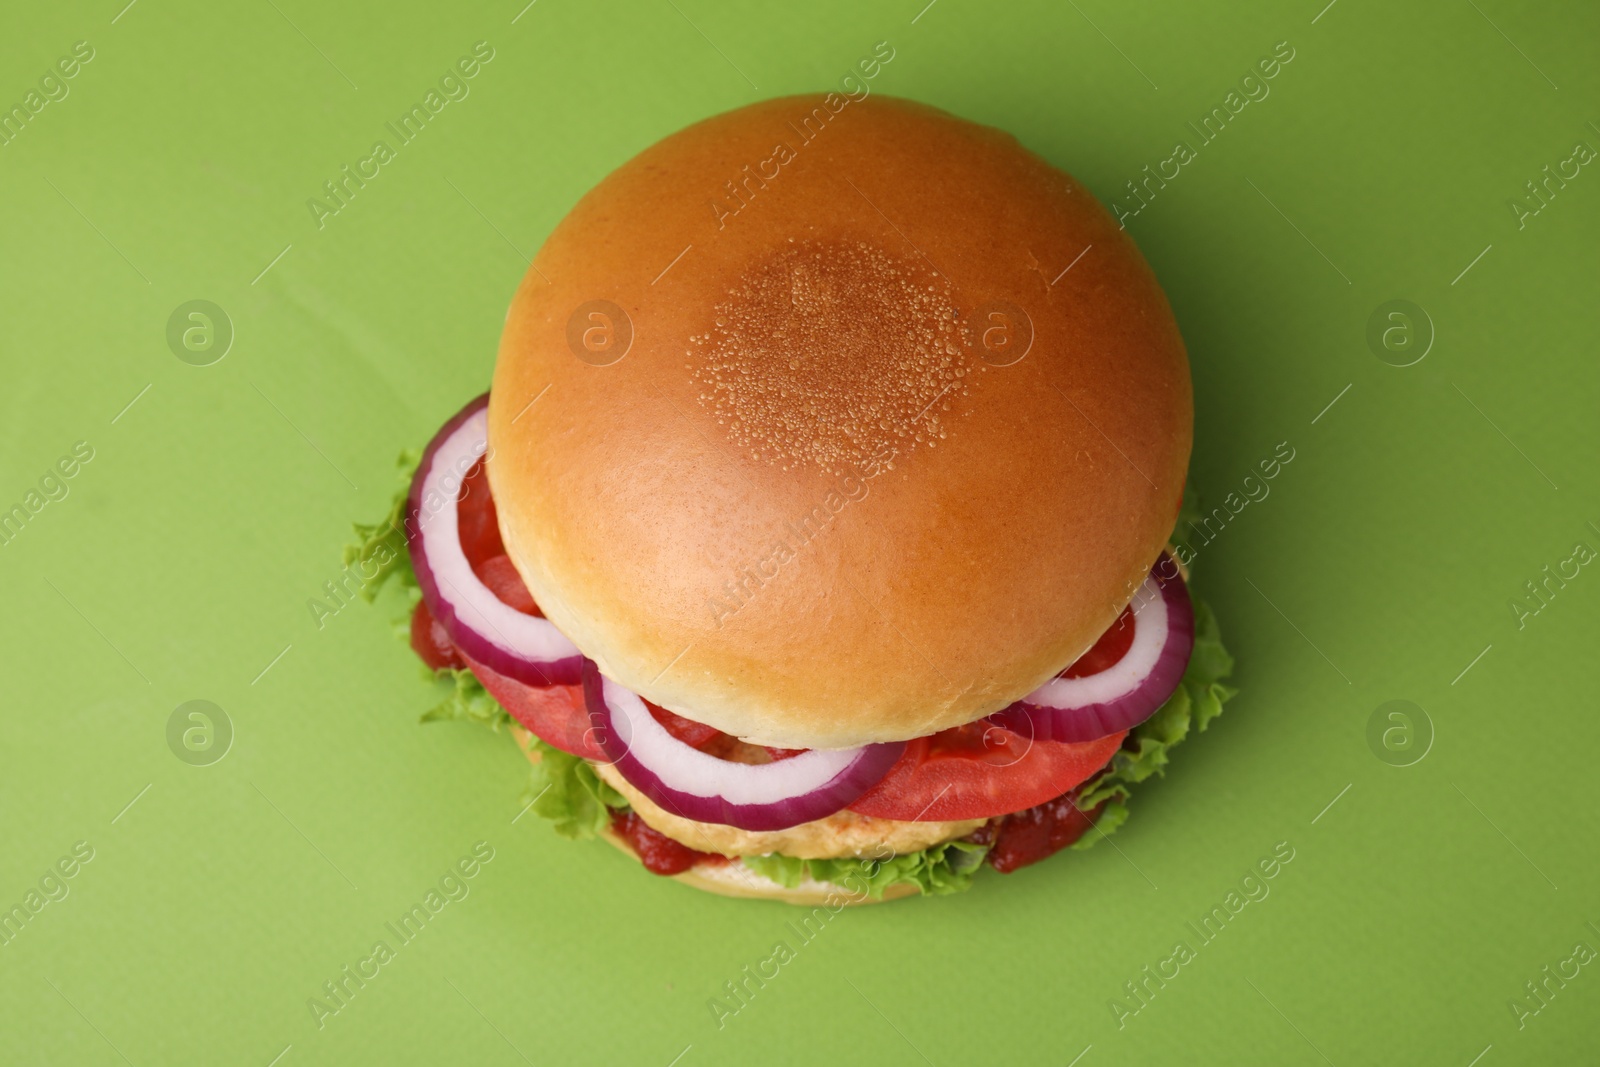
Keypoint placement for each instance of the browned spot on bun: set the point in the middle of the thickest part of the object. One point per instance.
(833, 355)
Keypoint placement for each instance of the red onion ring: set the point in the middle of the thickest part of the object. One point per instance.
(524, 647)
(1130, 690)
(690, 783)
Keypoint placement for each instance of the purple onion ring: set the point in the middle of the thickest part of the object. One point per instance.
(526, 647)
(1130, 690)
(694, 785)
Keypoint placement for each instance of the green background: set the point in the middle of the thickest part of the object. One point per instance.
(215, 506)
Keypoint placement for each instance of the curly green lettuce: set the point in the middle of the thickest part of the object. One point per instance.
(384, 542)
(466, 701)
(945, 868)
(566, 790)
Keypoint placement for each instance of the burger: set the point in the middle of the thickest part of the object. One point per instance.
(815, 538)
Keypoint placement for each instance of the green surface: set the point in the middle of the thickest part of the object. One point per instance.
(179, 564)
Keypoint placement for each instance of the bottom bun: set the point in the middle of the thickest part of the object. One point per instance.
(734, 879)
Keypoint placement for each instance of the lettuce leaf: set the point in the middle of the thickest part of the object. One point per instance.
(566, 790)
(389, 533)
(946, 868)
(468, 701)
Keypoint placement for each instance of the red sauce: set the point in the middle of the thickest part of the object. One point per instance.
(1029, 836)
(659, 853)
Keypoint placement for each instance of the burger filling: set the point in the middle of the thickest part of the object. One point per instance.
(955, 800)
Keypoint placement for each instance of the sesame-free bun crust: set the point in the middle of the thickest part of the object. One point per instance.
(808, 505)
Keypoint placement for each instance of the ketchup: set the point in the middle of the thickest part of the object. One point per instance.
(1026, 837)
(659, 853)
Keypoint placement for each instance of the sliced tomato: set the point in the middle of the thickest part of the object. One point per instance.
(479, 523)
(1108, 651)
(498, 573)
(978, 771)
(556, 714)
(694, 734)
(477, 518)
(430, 642)
(713, 742)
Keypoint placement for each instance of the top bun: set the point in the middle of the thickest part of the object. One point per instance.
(769, 465)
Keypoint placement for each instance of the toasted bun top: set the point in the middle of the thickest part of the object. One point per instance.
(829, 421)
